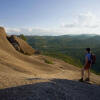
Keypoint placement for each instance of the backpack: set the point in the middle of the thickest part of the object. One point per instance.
(93, 58)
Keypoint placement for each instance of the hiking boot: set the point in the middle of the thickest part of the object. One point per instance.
(81, 80)
(87, 79)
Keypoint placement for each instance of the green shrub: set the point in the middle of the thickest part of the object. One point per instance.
(48, 61)
(22, 37)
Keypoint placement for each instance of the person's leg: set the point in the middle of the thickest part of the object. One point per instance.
(82, 72)
(88, 78)
(89, 73)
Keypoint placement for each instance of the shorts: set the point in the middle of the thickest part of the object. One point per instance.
(87, 66)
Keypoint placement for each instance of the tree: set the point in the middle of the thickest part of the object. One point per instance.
(23, 37)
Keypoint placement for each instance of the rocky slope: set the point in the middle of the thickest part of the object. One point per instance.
(24, 77)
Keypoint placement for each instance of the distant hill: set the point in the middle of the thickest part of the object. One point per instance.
(65, 46)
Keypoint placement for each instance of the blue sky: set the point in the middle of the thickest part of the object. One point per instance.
(50, 17)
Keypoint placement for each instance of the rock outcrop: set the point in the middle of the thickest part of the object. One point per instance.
(2, 32)
(21, 45)
(14, 41)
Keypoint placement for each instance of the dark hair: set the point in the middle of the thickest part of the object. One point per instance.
(88, 49)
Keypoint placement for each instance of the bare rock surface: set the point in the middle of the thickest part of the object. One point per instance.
(56, 89)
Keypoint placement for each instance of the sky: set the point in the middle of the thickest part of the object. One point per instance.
(50, 17)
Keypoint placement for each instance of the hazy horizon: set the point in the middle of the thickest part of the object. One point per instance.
(58, 35)
(50, 17)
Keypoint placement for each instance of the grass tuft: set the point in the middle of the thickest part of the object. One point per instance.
(48, 61)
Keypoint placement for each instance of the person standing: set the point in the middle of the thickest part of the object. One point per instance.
(87, 65)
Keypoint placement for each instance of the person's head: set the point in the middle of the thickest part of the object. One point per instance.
(88, 50)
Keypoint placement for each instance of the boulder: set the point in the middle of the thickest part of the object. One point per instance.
(21, 45)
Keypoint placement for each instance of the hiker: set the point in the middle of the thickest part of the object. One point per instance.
(87, 66)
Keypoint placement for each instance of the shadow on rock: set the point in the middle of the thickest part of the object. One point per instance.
(56, 89)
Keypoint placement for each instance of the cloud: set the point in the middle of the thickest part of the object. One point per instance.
(32, 31)
(85, 20)
(51, 32)
(13, 30)
(87, 23)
